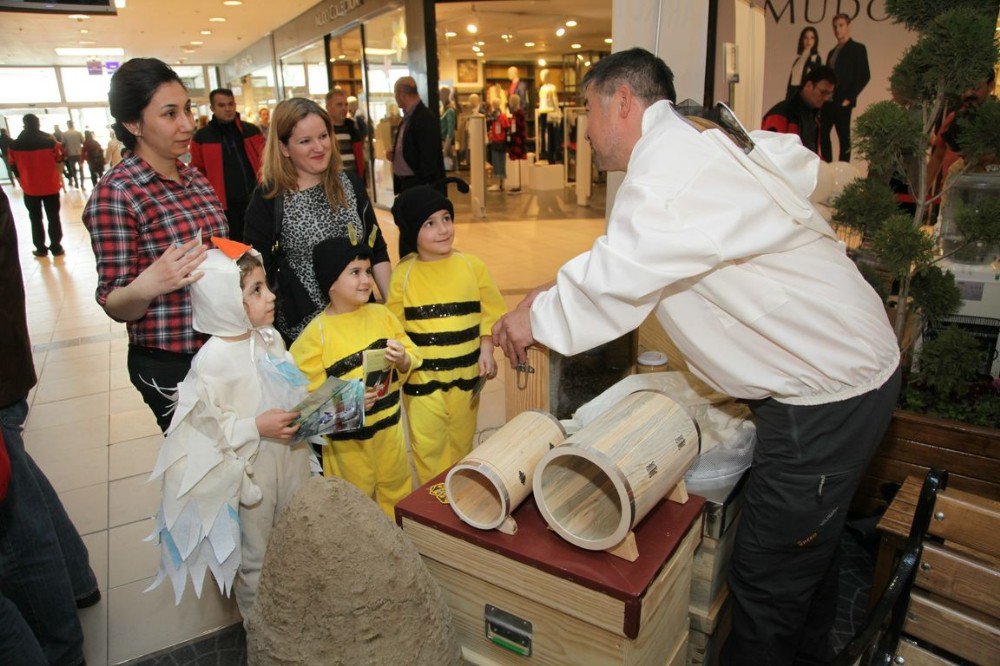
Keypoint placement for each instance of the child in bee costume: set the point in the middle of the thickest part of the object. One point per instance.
(227, 462)
(373, 457)
(448, 304)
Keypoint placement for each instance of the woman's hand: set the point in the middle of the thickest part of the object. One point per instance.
(172, 270)
(277, 424)
(396, 354)
(487, 364)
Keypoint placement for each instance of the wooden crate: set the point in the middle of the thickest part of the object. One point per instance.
(711, 568)
(583, 607)
(709, 630)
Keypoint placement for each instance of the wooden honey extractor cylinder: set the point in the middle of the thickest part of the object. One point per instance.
(606, 477)
(489, 483)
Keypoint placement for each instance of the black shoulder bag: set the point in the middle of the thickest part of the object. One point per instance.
(293, 299)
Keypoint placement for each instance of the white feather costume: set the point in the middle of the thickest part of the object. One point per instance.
(206, 457)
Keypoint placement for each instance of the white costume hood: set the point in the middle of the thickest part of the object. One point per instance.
(216, 299)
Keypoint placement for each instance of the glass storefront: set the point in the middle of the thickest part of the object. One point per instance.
(304, 73)
(385, 59)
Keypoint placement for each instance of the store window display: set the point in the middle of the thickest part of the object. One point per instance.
(549, 120)
(517, 85)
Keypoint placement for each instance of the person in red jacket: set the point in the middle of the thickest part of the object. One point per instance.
(38, 159)
(228, 151)
(799, 114)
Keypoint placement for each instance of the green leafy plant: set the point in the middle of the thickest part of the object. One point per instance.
(956, 48)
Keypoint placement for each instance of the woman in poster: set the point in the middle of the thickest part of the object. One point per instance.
(807, 57)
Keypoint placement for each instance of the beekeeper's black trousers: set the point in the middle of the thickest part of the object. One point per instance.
(808, 462)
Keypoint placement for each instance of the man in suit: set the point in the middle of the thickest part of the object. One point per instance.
(849, 60)
(416, 153)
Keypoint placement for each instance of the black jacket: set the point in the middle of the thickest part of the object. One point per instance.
(422, 145)
(852, 72)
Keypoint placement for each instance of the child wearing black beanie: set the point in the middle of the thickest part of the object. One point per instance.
(448, 304)
(373, 457)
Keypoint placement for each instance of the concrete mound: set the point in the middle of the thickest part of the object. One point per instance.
(342, 585)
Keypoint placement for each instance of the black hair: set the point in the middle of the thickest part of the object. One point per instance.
(820, 73)
(132, 87)
(648, 76)
(219, 91)
(802, 36)
(31, 121)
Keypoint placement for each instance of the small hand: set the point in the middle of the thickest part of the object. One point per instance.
(370, 397)
(277, 424)
(487, 364)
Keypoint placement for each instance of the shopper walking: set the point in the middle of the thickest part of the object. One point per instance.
(38, 159)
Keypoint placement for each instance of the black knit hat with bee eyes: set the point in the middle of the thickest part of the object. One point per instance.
(331, 257)
(413, 206)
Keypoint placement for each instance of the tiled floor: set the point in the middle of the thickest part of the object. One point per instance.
(96, 441)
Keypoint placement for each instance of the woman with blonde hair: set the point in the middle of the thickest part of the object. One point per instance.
(305, 197)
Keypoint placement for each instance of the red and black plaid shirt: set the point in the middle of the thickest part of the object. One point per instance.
(133, 216)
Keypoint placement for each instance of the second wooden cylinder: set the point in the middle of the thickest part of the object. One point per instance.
(489, 483)
(607, 476)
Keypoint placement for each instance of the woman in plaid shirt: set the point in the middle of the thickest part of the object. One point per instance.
(147, 220)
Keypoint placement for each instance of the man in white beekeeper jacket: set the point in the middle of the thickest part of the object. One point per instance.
(755, 290)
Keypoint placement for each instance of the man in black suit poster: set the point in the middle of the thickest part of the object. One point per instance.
(849, 60)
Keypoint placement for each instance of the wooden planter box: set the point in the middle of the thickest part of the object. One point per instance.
(914, 443)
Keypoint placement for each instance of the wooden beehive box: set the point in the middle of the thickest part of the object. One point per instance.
(532, 592)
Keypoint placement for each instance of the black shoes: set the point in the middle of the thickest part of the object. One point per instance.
(57, 250)
(40, 253)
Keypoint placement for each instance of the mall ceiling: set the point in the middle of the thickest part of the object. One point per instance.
(172, 29)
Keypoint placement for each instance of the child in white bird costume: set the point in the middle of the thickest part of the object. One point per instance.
(228, 464)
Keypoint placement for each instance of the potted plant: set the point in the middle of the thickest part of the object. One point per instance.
(955, 49)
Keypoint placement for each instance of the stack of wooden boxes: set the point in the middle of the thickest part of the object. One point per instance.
(711, 608)
(534, 595)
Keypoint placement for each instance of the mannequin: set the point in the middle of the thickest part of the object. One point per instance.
(449, 121)
(517, 86)
(549, 120)
(473, 106)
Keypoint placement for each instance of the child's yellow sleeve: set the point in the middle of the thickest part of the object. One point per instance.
(307, 350)
(491, 300)
(394, 301)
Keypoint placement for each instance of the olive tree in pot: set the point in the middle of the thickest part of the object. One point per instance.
(955, 50)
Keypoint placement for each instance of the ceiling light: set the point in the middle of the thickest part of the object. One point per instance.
(570, 24)
(119, 4)
(529, 44)
(475, 48)
(607, 40)
(216, 19)
(84, 42)
(84, 32)
(575, 46)
(579, 57)
(473, 28)
(188, 50)
(232, 3)
(451, 33)
(197, 43)
(480, 43)
(99, 51)
(586, 64)
(481, 54)
(542, 62)
(560, 32)
(78, 17)
(342, 57)
(206, 32)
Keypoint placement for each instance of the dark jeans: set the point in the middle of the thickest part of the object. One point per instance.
(44, 566)
(34, 205)
(834, 116)
(95, 174)
(155, 372)
(807, 465)
(74, 170)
